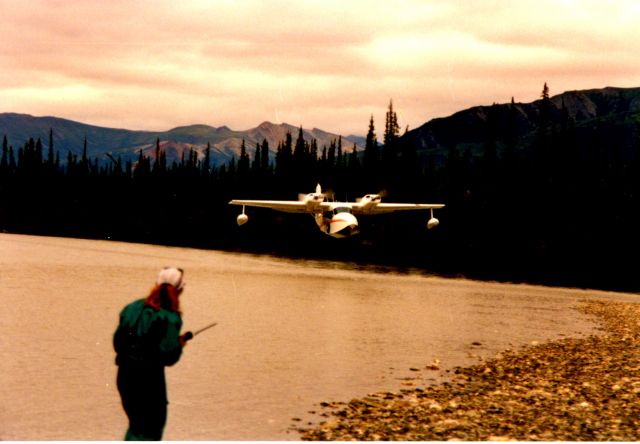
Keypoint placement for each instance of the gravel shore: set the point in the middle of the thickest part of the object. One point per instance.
(585, 389)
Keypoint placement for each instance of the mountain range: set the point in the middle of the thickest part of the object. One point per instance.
(69, 136)
(611, 113)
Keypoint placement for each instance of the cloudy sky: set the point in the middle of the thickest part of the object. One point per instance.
(329, 64)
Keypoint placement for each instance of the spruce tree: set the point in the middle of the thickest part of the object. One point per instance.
(117, 169)
(511, 137)
(264, 162)
(389, 172)
(84, 164)
(38, 154)
(391, 129)
(544, 110)
(490, 155)
(140, 168)
(284, 160)
(206, 163)
(71, 164)
(50, 159)
(279, 161)
(354, 164)
(313, 151)
(299, 150)
(255, 165)
(156, 164)
(244, 161)
(4, 162)
(371, 154)
(12, 160)
(331, 156)
(232, 166)
(193, 161)
(542, 148)
(287, 148)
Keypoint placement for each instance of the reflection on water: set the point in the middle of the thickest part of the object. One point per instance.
(290, 335)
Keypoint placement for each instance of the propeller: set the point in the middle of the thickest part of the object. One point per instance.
(382, 194)
(329, 194)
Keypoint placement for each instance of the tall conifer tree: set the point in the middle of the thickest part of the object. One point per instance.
(50, 159)
(244, 161)
(4, 162)
(206, 163)
(371, 153)
(264, 162)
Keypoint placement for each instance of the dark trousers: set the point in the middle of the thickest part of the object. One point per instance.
(144, 398)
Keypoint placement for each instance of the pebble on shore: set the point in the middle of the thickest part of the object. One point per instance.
(584, 389)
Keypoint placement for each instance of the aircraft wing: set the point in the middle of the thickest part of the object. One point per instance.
(289, 206)
(383, 208)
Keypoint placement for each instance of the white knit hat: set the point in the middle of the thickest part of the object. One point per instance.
(171, 276)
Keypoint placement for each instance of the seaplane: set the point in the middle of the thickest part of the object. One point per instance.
(336, 219)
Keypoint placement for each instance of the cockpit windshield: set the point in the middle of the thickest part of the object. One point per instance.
(342, 210)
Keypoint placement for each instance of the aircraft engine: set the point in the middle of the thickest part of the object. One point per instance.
(242, 219)
(432, 223)
(343, 225)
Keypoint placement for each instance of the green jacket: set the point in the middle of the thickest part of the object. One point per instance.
(147, 337)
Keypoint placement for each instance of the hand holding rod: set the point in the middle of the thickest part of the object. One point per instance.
(188, 335)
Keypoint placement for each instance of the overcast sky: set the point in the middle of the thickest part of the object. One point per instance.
(327, 64)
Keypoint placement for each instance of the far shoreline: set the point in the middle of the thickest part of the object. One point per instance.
(381, 264)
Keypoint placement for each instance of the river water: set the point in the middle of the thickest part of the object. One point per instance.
(290, 335)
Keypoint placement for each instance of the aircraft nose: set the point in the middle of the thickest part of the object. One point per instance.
(343, 225)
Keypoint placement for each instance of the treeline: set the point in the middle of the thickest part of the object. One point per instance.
(152, 199)
(559, 205)
(296, 166)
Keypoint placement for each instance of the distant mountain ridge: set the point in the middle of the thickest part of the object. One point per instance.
(593, 110)
(69, 135)
(609, 112)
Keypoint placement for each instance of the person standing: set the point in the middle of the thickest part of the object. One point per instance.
(146, 341)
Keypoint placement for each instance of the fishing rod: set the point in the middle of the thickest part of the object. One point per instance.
(189, 335)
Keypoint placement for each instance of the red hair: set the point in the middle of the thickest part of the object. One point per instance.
(164, 296)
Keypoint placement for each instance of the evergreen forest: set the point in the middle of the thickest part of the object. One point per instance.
(559, 206)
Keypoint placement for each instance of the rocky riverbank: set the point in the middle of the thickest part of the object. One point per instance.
(585, 389)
